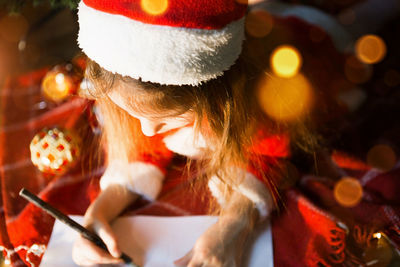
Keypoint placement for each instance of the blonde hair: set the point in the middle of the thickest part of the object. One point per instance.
(226, 114)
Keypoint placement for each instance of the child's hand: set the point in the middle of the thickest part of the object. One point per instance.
(216, 247)
(222, 244)
(85, 253)
(107, 206)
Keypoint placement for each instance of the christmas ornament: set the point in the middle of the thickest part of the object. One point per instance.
(55, 151)
(60, 83)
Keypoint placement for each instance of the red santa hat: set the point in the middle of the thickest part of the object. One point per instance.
(177, 42)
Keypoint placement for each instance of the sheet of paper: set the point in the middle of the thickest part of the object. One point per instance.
(155, 241)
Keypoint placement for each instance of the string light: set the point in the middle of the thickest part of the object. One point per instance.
(348, 192)
(285, 99)
(377, 235)
(154, 7)
(370, 49)
(286, 61)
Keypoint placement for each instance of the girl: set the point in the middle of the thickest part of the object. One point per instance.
(178, 78)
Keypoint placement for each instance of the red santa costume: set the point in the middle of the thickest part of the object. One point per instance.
(304, 234)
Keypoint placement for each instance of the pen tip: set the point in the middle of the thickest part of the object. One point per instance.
(21, 192)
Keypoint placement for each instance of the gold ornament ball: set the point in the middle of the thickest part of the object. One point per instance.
(55, 151)
(59, 83)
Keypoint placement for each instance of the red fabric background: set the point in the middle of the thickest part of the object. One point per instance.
(307, 229)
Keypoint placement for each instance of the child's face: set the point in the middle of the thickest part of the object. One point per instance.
(152, 124)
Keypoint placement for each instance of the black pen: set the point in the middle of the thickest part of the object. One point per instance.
(71, 223)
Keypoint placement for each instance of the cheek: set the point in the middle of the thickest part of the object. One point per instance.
(177, 123)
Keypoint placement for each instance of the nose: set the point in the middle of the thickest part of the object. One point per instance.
(150, 128)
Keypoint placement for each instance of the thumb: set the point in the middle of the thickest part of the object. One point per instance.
(184, 261)
(103, 229)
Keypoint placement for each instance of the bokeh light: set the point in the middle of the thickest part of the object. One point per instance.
(285, 99)
(13, 27)
(259, 23)
(370, 49)
(57, 86)
(154, 7)
(348, 192)
(356, 71)
(347, 17)
(392, 78)
(352, 98)
(381, 157)
(286, 61)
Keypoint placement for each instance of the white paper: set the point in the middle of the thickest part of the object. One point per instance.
(155, 241)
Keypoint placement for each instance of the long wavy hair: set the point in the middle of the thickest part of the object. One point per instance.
(226, 111)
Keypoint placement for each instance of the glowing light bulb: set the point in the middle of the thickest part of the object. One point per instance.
(370, 49)
(377, 235)
(154, 7)
(258, 23)
(285, 99)
(286, 61)
(348, 192)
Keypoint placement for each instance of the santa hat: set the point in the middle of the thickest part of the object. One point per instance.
(170, 42)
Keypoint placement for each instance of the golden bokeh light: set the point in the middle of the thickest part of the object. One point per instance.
(348, 192)
(154, 7)
(381, 157)
(13, 27)
(356, 71)
(370, 49)
(285, 99)
(286, 61)
(57, 86)
(259, 23)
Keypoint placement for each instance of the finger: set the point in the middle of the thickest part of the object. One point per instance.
(184, 261)
(86, 253)
(107, 235)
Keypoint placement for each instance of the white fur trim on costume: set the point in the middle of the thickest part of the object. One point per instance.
(216, 187)
(160, 54)
(183, 142)
(250, 187)
(142, 178)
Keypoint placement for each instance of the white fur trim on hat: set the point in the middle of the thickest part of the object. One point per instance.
(250, 187)
(160, 54)
(139, 177)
